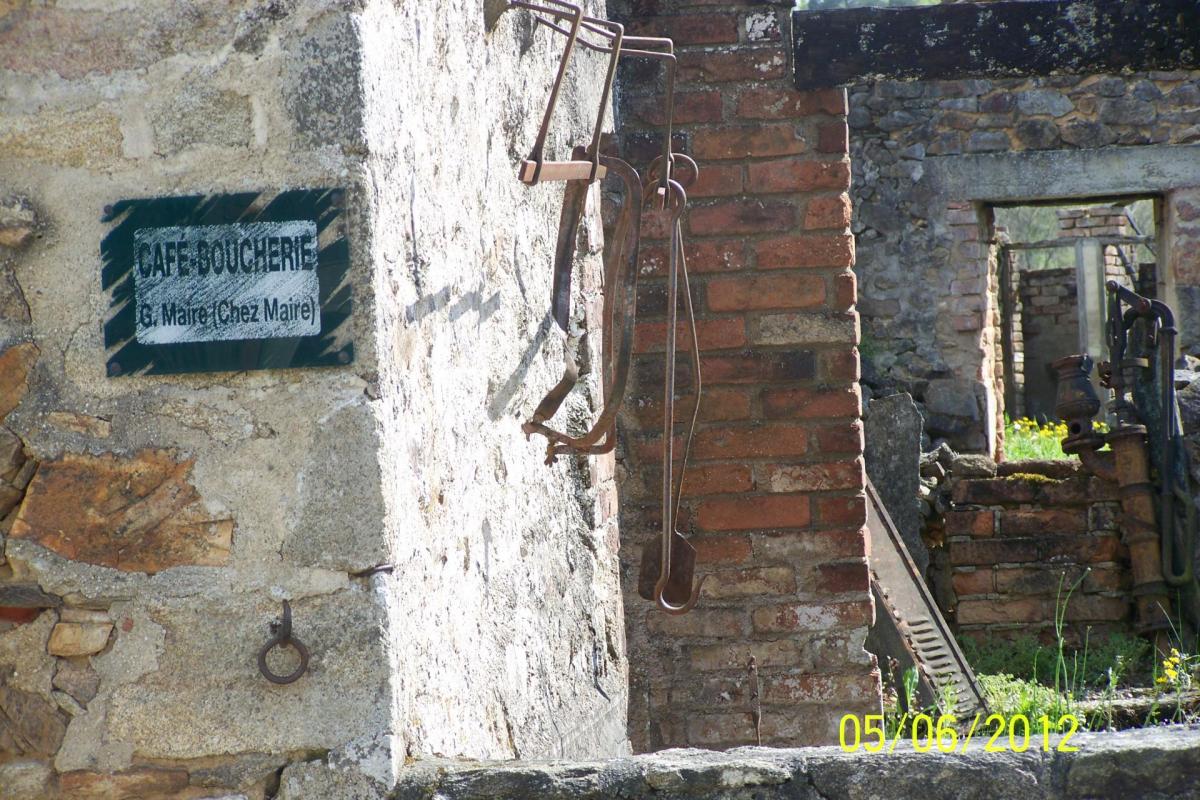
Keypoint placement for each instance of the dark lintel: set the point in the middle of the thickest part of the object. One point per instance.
(1022, 38)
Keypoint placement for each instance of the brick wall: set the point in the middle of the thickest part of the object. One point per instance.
(1049, 326)
(1013, 538)
(774, 492)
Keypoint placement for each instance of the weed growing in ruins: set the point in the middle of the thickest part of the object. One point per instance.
(1028, 439)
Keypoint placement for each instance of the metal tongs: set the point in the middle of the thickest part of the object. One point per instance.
(668, 565)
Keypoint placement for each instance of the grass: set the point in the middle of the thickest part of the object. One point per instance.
(1025, 677)
(1028, 439)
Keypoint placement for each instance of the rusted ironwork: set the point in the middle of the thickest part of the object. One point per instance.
(1158, 514)
(669, 563)
(909, 629)
(282, 630)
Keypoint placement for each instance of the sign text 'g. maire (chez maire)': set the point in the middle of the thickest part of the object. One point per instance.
(221, 282)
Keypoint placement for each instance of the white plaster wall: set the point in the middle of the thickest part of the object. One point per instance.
(507, 634)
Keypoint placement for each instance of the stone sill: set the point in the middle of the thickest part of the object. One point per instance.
(1159, 762)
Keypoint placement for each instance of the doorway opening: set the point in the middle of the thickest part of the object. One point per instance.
(1052, 262)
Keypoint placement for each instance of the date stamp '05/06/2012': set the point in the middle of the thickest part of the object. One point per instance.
(994, 733)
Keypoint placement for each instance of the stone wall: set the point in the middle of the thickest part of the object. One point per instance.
(1154, 762)
(458, 597)
(930, 157)
(1019, 540)
(774, 492)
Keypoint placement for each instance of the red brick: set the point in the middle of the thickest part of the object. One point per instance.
(845, 290)
(981, 611)
(830, 477)
(841, 511)
(702, 256)
(973, 523)
(754, 582)
(810, 403)
(688, 29)
(789, 104)
(833, 137)
(741, 216)
(721, 730)
(759, 367)
(978, 582)
(814, 616)
(701, 622)
(718, 404)
(846, 577)
(811, 545)
(18, 615)
(714, 334)
(741, 64)
(1033, 580)
(805, 251)
(840, 366)
(690, 107)
(810, 688)
(748, 141)
(844, 438)
(1083, 549)
(717, 180)
(712, 549)
(794, 175)
(766, 292)
(718, 479)
(987, 552)
(994, 491)
(1096, 608)
(779, 653)
(828, 212)
(768, 441)
(754, 513)
(1044, 521)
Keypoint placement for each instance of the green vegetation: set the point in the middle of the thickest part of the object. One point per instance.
(1025, 677)
(1042, 441)
(1028, 439)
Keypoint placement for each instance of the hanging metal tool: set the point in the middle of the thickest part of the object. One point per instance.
(670, 561)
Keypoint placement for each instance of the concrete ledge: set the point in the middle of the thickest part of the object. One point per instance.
(1155, 763)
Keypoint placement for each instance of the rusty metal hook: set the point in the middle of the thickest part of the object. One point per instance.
(282, 628)
(676, 577)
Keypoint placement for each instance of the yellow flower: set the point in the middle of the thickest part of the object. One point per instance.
(1172, 674)
(1160, 679)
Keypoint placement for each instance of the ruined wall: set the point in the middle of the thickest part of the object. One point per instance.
(774, 492)
(1049, 325)
(929, 156)
(1019, 540)
(458, 597)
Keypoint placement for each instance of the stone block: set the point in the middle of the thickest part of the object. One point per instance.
(30, 725)
(137, 513)
(201, 116)
(952, 397)
(1037, 102)
(15, 365)
(893, 459)
(26, 780)
(78, 638)
(77, 678)
(124, 785)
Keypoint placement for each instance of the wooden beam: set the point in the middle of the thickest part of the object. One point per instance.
(1001, 39)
